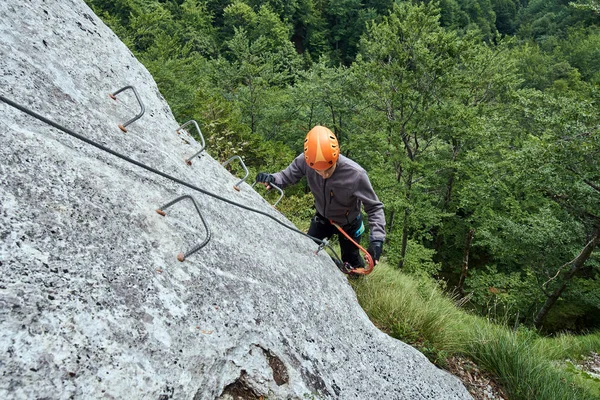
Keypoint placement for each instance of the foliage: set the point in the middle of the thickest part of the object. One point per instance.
(590, 5)
(543, 19)
(469, 115)
(299, 209)
(581, 49)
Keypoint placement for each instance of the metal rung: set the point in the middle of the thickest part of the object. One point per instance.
(189, 160)
(237, 186)
(274, 187)
(142, 108)
(183, 256)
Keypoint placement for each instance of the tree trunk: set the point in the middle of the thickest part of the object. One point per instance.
(446, 204)
(391, 221)
(404, 238)
(405, 221)
(465, 263)
(577, 264)
(448, 193)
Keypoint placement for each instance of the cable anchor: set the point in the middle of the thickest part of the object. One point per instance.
(322, 244)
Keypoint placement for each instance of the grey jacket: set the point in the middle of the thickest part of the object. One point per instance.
(339, 197)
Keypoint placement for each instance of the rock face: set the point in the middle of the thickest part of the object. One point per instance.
(94, 303)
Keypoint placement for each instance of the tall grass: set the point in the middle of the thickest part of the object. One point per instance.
(410, 308)
(417, 312)
(568, 346)
(523, 370)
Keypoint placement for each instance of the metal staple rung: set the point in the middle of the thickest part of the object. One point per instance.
(189, 160)
(237, 185)
(278, 189)
(183, 256)
(142, 108)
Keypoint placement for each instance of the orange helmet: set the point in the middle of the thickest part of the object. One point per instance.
(321, 149)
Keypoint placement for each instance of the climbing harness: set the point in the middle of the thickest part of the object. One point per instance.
(164, 175)
(370, 263)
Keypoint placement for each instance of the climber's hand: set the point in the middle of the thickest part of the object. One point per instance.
(375, 249)
(265, 179)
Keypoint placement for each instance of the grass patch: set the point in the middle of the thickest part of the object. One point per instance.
(411, 309)
(527, 365)
(520, 367)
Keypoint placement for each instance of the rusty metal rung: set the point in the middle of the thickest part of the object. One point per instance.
(189, 160)
(142, 108)
(278, 189)
(237, 185)
(183, 256)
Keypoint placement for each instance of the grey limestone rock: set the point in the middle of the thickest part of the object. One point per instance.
(94, 303)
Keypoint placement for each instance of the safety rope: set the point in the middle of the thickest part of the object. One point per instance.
(157, 172)
(370, 263)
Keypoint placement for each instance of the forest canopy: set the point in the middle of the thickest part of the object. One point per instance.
(477, 121)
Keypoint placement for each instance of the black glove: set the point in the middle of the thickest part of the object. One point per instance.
(263, 177)
(375, 249)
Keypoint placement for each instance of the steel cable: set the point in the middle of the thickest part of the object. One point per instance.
(157, 172)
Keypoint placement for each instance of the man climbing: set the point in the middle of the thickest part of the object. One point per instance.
(340, 187)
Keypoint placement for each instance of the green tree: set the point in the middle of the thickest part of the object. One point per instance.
(588, 5)
(238, 15)
(529, 197)
(195, 26)
(408, 60)
(506, 15)
(481, 13)
(347, 21)
(452, 15)
(581, 49)
(322, 95)
(543, 19)
(427, 87)
(567, 145)
(263, 59)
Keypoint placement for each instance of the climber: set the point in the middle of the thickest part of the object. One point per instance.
(339, 187)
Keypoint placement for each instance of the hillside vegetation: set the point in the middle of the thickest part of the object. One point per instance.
(526, 365)
(477, 121)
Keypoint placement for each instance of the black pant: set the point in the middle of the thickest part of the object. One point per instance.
(321, 228)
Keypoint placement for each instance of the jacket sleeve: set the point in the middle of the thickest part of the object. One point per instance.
(373, 207)
(292, 174)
